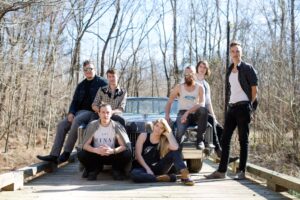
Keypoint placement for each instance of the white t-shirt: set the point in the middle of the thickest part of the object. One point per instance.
(105, 135)
(237, 93)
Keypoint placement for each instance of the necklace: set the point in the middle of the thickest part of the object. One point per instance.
(200, 80)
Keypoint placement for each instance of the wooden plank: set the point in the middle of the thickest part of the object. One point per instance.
(14, 180)
(66, 183)
(44, 166)
(275, 180)
(11, 181)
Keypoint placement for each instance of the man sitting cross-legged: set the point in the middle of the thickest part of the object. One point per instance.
(105, 143)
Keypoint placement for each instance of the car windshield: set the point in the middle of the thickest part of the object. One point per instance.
(149, 106)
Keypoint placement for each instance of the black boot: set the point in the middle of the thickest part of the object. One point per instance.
(85, 173)
(48, 158)
(64, 157)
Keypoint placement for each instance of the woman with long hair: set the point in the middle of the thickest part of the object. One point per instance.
(203, 71)
(155, 154)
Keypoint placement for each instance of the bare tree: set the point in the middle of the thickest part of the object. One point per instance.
(10, 7)
(83, 15)
(163, 45)
(112, 28)
(296, 93)
(175, 65)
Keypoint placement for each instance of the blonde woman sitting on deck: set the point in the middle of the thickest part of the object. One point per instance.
(155, 154)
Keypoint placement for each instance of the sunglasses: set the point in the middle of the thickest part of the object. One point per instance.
(88, 69)
(188, 75)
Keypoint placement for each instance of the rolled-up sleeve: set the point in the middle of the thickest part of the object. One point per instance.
(97, 100)
(123, 102)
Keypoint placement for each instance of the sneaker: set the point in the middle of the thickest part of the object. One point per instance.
(240, 176)
(215, 175)
(209, 145)
(48, 158)
(64, 157)
(200, 145)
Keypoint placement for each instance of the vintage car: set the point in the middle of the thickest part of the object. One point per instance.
(140, 112)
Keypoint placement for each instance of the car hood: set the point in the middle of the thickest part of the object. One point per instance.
(137, 123)
(144, 117)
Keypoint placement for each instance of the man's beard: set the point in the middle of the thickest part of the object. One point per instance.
(189, 82)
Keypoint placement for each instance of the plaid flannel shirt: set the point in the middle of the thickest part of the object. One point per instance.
(117, 100)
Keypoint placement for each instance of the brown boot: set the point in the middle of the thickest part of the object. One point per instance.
(163, 178)
(185, 177)
(166, 178)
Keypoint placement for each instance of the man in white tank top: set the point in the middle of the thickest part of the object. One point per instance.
(192, 109)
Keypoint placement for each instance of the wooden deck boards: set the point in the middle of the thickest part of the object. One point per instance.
(66, 183)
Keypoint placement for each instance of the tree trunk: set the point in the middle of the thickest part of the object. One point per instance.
(112, 28)
(295, 104)
(175, 65)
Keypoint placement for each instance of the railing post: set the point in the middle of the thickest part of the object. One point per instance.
(277, 188)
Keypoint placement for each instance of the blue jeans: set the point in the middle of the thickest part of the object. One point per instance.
(163, 166)
(238, 116)
(199, 118)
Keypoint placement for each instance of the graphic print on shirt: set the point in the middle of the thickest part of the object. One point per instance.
(148, 149)
(189, 98)
(104, 136)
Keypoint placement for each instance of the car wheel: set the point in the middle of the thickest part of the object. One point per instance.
(194, 165)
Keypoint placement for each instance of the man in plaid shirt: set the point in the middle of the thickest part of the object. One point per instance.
(113, 95)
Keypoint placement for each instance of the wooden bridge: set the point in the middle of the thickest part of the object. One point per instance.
(66, 183)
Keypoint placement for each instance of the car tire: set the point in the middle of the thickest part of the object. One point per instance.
(194, 165)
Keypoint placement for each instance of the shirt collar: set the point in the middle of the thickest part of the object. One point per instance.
(117, 89)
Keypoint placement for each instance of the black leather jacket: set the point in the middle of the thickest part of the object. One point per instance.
(247, 77)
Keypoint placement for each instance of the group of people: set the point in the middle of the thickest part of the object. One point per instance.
(100, 103)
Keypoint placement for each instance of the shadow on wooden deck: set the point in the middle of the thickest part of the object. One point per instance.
(66, 183)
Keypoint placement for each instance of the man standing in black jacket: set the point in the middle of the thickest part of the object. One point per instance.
(240, 94)
(80, 112)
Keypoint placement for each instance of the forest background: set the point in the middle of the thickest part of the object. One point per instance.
(43, 44)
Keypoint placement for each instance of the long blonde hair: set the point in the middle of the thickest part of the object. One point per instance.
(163, 144)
